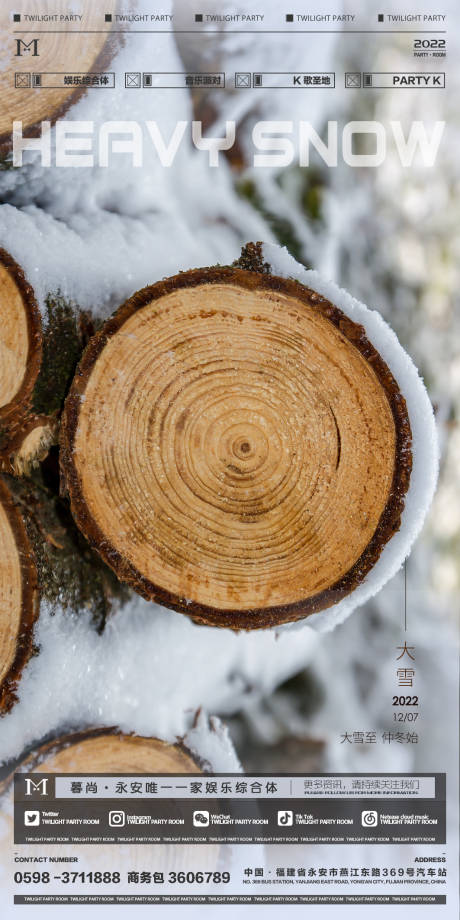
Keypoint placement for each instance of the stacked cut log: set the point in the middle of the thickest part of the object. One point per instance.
(108, 751)
(37, 361)
(43, 556)
(18, 597)
(34, 102)
(25, 434)
(235, 448)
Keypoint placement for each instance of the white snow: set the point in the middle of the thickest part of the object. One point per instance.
(99, 234)
(100, 258)
(149, 672)
(210, 741)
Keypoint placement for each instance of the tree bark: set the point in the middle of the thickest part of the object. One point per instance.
(32, 103)
(235, 448)
(19, 597)
(21, 340)
(37, 361)
(69, 572)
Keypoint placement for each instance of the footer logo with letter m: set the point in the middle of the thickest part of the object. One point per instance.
(39, 786)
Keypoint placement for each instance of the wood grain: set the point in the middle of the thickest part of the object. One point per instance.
(110, 751)
(20, 343)
(235, 448)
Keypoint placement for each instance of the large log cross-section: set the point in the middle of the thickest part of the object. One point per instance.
(235, 447)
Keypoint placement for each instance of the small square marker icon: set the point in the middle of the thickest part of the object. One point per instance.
(352, 80)
(243, 80)
(289, 17)
(108, 17)
(132, 80)
(381, 17)
(22, 80)
(198, 17)
(16, 17)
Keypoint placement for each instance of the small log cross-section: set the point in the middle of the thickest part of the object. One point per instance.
(106, 750)
(20, 349)
(37, 363)
(50, 55)
(235, 448)
(18, 597)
